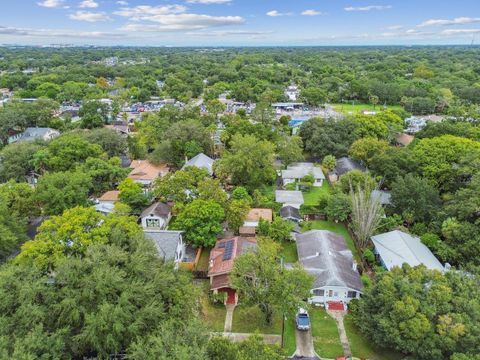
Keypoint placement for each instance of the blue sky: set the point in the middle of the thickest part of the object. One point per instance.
(239, 22)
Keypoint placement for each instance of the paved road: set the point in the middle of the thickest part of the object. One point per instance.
(229, 318)
(304, 344)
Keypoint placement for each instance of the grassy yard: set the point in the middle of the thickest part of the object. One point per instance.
(348, 107)
(212, 315)
(289, 343)
(325, 334)
(312, 197)
(249, 319)
(363, 348)
(202, 264)
(289, 252)
(337, 228)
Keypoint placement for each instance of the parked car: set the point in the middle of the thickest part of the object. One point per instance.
(303, 320)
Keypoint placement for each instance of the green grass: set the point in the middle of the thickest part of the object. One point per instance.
(337, 228)
(326, 340)
(202, 264)
(348, 107)
(212, 315)
(268, 191)
(249, 319)
(289, 252)
(363, 348)
(289, 342)
(312, 197)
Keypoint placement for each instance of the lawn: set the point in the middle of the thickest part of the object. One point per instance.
(363, 348)
(202, 264)
(326, 340)
(312, 197)
(348, 107)
(249, 319)
(289, 343)
(337, 228)
(212, 315)
(289, 252)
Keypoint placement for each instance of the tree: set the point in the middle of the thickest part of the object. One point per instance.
(429, 319)
(132, 194)
(416, 197)
(59, 191)
(313, 96)
(290, 150)
(366, 148)
(262, 281)
(338, 206)
(111, 141)
(105, 175)
(201, 220)
(16, 160)
(279, 230)
(329, 162)
(210, 189)
(355, 178)
(19, 199)
(236, 213)
(366, 213)
(240, 193)
(12, 230)
(249, 162)
(373, 100)
(94, 114)
(180, 186)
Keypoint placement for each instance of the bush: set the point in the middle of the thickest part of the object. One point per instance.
(366, 281)
(419, 229)
(369, 256)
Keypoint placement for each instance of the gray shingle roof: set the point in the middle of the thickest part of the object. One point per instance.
(201, 161)
(165, 241)
(396, 248)
(346, 164)
(159, 209)
(299, 170)
(290, 212)
(325, 255)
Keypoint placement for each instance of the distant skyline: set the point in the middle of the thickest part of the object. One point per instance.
(240, 22)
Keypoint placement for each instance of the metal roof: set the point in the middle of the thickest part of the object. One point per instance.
(201, 161)
(397, 248)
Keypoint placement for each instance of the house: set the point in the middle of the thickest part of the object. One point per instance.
(169, 244)
(384, 197)
(201, 161)
(325, 255)
(120, 127)
(297, 171)
(396, 248)
(35, 133)
(145, 173)
(156, 216)
(289, 198)
(253, 218)
(345, 165)
(222, 258)
(106, 203)
(295, 125)
(290, 213)
(292, 92)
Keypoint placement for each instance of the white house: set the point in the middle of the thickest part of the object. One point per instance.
(292, 92)
(34, 133)
(325, 255)
(156, 216)
(289, 198)
(169, 244)
(396, 248)
(296, 171)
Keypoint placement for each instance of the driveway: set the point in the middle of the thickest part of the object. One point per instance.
(304, 344)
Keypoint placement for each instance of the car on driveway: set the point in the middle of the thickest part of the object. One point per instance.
(303, 320)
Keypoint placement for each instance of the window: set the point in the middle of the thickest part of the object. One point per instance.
(330, 293)
(319, 292)
(352, 294)
(153, 223)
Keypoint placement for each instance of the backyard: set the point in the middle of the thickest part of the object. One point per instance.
(312, 197)
(289, 252)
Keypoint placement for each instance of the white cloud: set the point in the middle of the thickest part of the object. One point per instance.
(208, 2)
(91, 4)
(444, 22)
(172, 18)
(89, 16)
(460, 31)
(395, 27)
(229, 33)
(368, 8)
(123, 3)
(50, 33)
(275, 13)
(51, 3)
(311, 12)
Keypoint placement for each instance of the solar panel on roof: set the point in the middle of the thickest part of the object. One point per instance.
(227, 255)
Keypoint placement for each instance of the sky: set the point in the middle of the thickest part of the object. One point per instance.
(239, 22)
